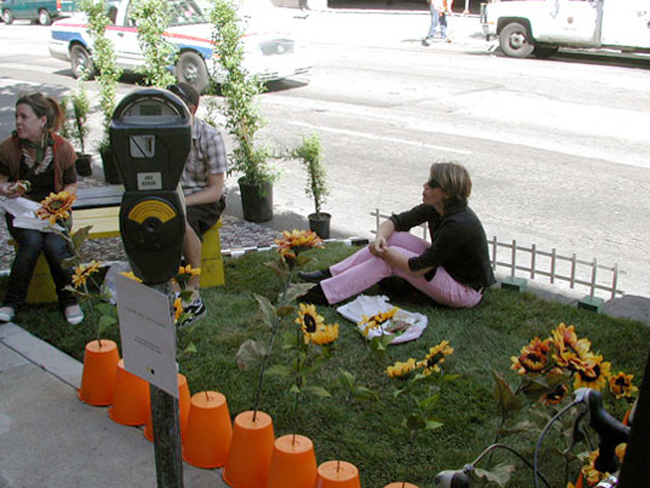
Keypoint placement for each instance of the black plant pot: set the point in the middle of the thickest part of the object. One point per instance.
(320, 223)
(111, 174)
(256, 201)
(84, 168)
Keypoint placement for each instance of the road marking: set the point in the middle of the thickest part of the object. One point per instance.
(368, 135)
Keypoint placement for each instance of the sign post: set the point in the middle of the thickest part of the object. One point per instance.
(150, 136)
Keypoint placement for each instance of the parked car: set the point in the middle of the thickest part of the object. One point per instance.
(43, 11)
(269, 55)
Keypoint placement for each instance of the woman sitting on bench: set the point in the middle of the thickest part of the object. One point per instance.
(34, 162)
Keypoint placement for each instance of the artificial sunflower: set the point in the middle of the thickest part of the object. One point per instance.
(589, 471)
(621, 385)
(56, 206)
(309, 320)
(435, 358)
(567, 345)
(83, 272)
(533, 358)
(178, 309)
(556, 395)
(185, 273)
(377, 320)
(592, 372)
(325, 335)
(400, 369)
(131, 275)
(293, 243)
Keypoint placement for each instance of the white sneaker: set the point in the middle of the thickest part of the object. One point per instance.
(7, 313)
(74, 315)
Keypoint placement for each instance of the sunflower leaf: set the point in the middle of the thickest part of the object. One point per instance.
(346, 379)
(80, 236)
(415, 422)
(191, 348)
(296, 290)
(104, 323)
(105, 309)
(432, 424)
(285, 310)
(318, 391)
(267, 309)
(295, 389)
(278, 370)
(505, 397)
(428, 403)
(277, 269)
(364, 393)
(250, 354)
(500, 474)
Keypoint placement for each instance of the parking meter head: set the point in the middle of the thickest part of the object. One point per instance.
(151, 135)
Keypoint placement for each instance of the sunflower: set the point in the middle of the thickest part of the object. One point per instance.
(556, 395)
(620, 451)
(621, 385)
(533, 358)
(293, 243)
(592, 372)
(377, 320)
(309, 320)
(185, 273)
(589, 471)
(568, 346)
(325, 335)
(435, 358)
(83, 272)
(400, 369)
(56, 206)
(178, 309)
(131, 275)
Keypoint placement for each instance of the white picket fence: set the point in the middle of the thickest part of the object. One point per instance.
(533, 263)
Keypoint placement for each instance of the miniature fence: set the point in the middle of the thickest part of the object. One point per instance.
(535, 263)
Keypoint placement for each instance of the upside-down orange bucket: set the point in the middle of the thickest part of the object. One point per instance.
(131, 399)
(183, 409)
(293, 463)
(338, 474)
(98, 377)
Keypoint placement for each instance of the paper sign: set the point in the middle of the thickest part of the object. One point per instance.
(148, 334)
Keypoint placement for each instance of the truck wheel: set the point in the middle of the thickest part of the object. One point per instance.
(191, 69)
(7, 17)
(81, 62)
(514, 41)
(544, 52)
(44, 17)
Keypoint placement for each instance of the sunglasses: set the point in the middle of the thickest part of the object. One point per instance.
(432, 183)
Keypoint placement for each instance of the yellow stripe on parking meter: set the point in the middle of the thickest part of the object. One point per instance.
(152, 208)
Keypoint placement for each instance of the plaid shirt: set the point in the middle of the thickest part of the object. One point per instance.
(207, 157)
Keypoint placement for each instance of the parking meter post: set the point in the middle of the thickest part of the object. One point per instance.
(150, 137)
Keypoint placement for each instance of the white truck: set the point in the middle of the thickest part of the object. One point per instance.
(540, 27)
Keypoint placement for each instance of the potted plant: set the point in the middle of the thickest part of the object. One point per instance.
(310, 154)
(76, 106)
(240, 91)
(108, 75)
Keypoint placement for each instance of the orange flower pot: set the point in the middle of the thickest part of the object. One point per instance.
(293, 463)
(98, 377)
(401, 484)
(131, 399)
(209, 431)
(183, 409)
(251, 449)
(337, 474)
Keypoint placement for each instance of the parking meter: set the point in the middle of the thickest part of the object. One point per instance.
(150, 135)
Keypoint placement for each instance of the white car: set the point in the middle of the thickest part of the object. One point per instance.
(269, 55)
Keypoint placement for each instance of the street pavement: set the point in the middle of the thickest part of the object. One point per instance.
(48, 438)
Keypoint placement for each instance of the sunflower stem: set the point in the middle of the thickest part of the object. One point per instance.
(338, 466)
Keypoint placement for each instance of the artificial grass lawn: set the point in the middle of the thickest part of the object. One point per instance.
(370, 434)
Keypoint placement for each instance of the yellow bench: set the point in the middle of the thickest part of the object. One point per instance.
(105, 224)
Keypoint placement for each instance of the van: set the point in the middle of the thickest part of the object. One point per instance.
(42, 11)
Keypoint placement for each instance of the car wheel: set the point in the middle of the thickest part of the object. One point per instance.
(44, 17)
(81, 62)
(7, 17)
(191, 69)
(515, 42)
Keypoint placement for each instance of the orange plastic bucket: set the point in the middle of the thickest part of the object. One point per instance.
(401, 484)
(183, 409)
(293, 464)
(250, 451)
(209, 431)
(98, 377)
(131, 399)
(338, 474)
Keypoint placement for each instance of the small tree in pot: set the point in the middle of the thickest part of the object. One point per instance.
(310, 154)
(76, 106)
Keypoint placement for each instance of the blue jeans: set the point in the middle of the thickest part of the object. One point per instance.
(436, 19)
(30, 244)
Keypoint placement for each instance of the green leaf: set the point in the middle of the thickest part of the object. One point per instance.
(500, 474)
(285, 310)
(278, 370)
(297, 290)
(505, 397)
(415, 422)
(294, 389)
(104, 323)
(190, 349)
(318, 391)
(267, 309)
(428, 403)
(346, 379)
(432, 424)
(250, 354)
(105, 309)
(364, 393)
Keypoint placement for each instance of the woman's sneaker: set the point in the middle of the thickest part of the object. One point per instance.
(194, 311)
(7, 313)
(73, 314)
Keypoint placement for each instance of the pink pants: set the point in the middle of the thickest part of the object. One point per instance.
(362, 270)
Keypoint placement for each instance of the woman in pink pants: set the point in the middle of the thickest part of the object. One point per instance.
(453, 270)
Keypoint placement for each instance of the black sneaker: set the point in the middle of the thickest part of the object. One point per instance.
(194, 311)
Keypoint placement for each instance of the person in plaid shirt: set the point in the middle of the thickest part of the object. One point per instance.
(203, 187)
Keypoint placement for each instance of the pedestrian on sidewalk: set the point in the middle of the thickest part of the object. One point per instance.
(439, 11)
(202, 183)
(453, 270)
(34, 162)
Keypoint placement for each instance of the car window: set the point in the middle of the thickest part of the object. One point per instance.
(186, 12)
